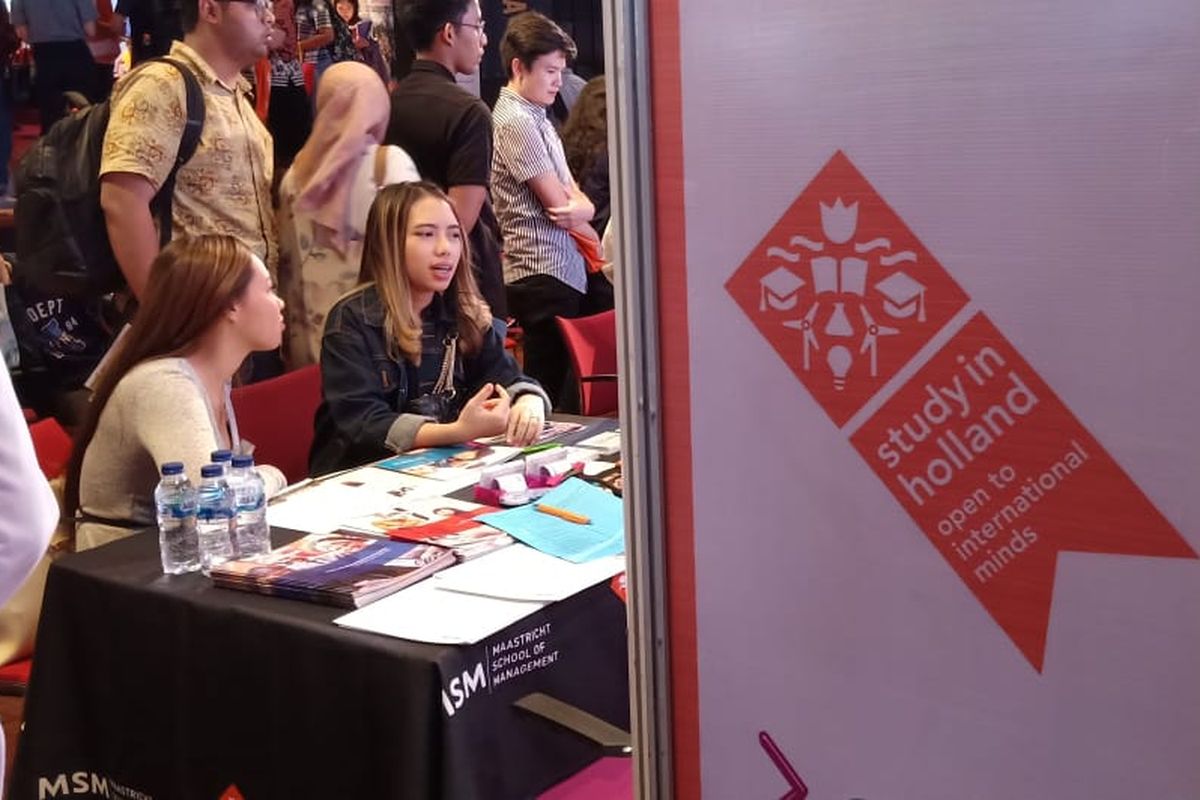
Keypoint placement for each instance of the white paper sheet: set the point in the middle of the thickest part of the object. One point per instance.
(427, 613)
(521, 573)
(325, 505)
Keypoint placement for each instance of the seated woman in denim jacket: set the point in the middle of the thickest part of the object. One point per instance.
(415, 315)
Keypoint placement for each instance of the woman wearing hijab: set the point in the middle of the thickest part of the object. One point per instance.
(325, 197)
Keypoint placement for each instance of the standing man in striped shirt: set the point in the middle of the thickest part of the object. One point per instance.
(537, 201)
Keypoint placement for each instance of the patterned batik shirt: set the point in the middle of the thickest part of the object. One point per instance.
(225, 188)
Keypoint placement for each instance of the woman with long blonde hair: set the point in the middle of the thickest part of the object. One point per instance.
(208, 304)
(412, 356)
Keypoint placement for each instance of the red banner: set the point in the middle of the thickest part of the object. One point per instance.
(843, 290)
(1001, 477)
(987, 460)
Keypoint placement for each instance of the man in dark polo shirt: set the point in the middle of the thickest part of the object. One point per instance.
(446, 129)
(153, 25)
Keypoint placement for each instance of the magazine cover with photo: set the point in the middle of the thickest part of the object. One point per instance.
(452, 465)
(410, 514)
(610, 479)
(460, 532)
(552, 429)
(343, 568)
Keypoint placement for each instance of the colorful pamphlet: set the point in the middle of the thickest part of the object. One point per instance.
(461, 533)
(342, 569)
(451, 464)
(610, 478)
(551, 430)
(409, 513)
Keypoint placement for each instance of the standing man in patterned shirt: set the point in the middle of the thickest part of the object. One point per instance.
(226, 186)
(538, 202)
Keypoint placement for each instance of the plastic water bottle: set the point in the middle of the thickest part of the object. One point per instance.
(224, 458)
(253, 535)
(175, 501)
(214, 517)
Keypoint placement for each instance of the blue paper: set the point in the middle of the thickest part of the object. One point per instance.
(417, 458)
(603, 535)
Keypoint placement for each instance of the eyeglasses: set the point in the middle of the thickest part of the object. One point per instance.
(263, 7)
(479, 26)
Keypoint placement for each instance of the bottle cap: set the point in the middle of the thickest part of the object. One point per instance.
(243, 461)
(212, 471)
(221, 455)
(172, 468)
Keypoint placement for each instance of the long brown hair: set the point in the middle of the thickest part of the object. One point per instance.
(585, 136)
(383, 264)
(192, 283)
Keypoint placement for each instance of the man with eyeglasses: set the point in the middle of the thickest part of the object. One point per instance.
(226, 185)
(57, 30)
(446, 129)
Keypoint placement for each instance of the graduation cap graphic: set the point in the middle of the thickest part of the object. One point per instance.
(903, 296)
(779, 289)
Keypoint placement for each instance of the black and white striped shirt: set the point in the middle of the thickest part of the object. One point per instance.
(525, 146)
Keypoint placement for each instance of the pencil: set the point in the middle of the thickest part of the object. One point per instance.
(562, 513)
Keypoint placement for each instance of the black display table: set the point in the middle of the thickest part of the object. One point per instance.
(148, 686)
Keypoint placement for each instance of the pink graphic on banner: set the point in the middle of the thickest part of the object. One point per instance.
(797, 790)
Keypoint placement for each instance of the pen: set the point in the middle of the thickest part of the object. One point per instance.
(537, 448)
(562, 513)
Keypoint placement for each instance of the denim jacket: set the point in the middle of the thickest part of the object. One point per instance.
(365, 410)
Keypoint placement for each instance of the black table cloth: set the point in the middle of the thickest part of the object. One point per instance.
(149, 686)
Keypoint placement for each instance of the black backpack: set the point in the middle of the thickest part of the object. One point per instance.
(62, 239)
(65, 273)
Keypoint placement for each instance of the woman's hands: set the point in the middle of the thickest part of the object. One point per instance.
(525, 420)
(484, 415)
(491, 411)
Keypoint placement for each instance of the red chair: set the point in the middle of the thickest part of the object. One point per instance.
(514, 342)
(52, 445)
(592, 343)
(277, 416)
(14, 677)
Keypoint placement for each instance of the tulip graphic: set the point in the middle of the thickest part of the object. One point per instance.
(839, 221)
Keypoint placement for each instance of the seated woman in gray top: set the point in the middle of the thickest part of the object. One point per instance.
(208, 304)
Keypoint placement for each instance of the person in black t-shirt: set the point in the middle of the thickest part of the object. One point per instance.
(153, 25)
(446, 129)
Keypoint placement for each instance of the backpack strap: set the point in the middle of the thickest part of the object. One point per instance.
(188, 143)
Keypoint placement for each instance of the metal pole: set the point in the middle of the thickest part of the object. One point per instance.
(627, 68)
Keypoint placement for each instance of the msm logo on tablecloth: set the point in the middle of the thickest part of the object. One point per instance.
(986, 459)
(84, 783)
